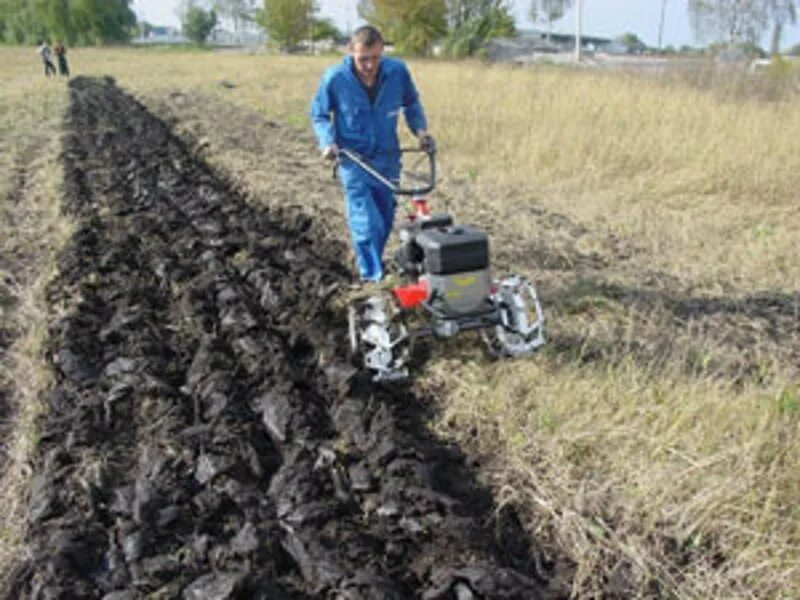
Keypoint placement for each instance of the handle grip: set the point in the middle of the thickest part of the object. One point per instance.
(363, 164)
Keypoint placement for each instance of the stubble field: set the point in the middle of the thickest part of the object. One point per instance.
(650, 450)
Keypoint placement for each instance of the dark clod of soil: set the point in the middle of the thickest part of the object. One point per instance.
(206, 437)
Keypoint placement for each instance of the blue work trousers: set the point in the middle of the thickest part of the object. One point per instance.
(370, 216)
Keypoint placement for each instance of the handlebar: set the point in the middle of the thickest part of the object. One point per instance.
(363, 164)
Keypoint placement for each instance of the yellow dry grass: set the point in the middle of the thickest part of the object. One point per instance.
(709, 186)
(668, 473)
(684, 480)
(31, 232)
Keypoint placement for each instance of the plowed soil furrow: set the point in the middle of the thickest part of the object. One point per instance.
(207, 437)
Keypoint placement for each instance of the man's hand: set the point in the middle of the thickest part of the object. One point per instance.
(426, 142)
(330, 152)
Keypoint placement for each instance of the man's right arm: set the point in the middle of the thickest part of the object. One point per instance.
(322, 108)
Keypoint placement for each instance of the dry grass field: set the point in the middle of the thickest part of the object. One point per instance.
(32, 229)
(654, 442)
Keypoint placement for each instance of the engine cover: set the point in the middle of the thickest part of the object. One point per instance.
(453, 249)
(409, 256)
(460, 294)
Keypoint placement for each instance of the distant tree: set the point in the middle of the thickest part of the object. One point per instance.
(183, 7)
(462, 12)
(198, 24)
(412, 25)
(324, 29)
(287, 22)
(742, 51)
(782, 13)
(56, 17)
(103, 21)
(549, 11)
(751, 50)
(632, 42)
(732, 21)
(19, 23)
(474, 22)
(794, 50)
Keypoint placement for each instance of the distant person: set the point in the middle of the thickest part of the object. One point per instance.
(61, 58)
(356, 107)
(44, 52)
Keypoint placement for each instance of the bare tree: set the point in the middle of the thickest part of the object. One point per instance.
(547, 11)
(782, 12)
(238, 12)
(730, 21)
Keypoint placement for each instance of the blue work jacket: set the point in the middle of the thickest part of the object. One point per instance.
(342, 113)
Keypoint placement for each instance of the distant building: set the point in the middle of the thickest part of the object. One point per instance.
(158, 34)
(616, 48)
(532, 43)
(247, 37)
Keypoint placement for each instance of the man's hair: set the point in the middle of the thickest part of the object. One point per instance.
(366, 35)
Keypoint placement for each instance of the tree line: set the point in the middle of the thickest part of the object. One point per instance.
(465, 25)
(413, 26)
(75, 22)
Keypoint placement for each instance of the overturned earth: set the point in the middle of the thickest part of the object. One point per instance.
(206, 436)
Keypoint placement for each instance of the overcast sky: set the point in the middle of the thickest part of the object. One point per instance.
(607, 18)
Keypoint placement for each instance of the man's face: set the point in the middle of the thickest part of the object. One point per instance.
(367, 59)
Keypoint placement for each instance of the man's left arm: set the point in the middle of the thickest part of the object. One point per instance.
(412, 108)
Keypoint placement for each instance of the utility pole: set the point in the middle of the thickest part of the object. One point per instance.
(578, 26)
(661, 22)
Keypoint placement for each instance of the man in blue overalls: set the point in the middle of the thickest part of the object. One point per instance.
(356, 107)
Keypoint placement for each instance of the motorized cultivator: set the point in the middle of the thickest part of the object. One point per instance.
(448, 289)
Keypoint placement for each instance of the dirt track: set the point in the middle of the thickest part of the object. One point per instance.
(206, 437)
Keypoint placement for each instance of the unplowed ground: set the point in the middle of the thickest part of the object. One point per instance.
(13, 262)
(206, 437)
